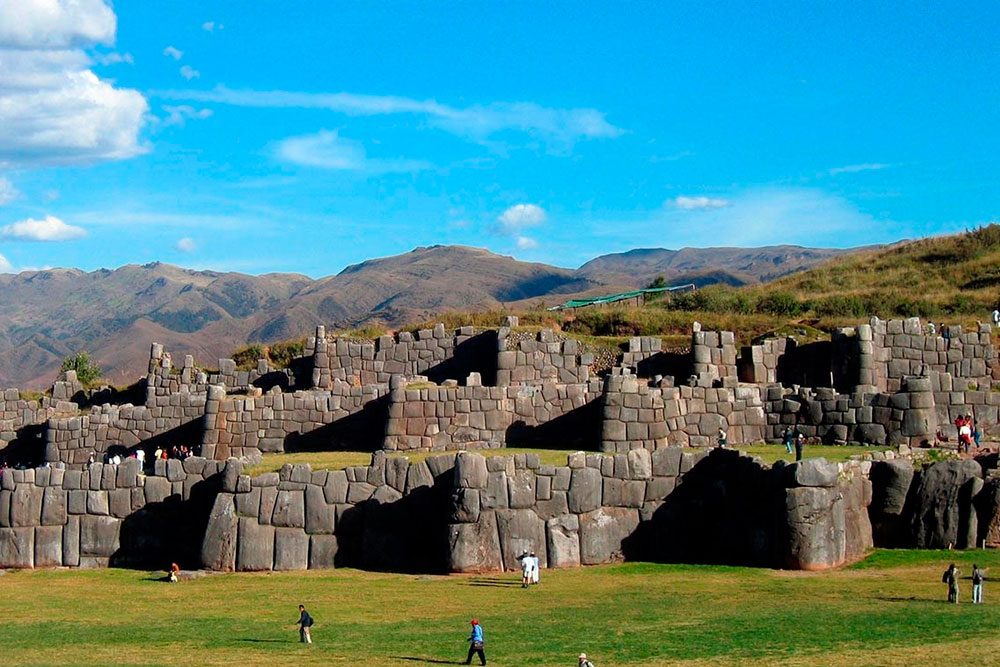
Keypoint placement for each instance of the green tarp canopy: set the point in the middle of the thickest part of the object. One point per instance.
(621, 296)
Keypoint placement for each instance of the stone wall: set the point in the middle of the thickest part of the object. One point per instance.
(454, 417)
(434, 353)
(888, 351)
(107, 515)
(541, 357)
(344, 416)
(713, 354)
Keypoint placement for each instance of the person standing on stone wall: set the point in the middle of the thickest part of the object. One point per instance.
(305, 625)
(996, 317)
(978, 577)
(477, 644)
(951, 578)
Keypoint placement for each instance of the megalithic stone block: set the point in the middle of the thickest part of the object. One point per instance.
(218, 549)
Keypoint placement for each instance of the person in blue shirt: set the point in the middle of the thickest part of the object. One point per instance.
(477, 643)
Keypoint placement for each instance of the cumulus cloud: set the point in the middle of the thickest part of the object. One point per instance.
(526, 243)
(8, 192)
(56, 24)
(189, 72)
(855, 168)
(5, 266)
(520, 216)
(48, 229)
(53, 109)
(186, 244)
(173, 52)
(178, 115)
(698, 203)
(557, 126)
(328, 150)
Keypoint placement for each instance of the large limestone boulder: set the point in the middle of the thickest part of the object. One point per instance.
(563, 533)
(585, 490)
(470, 471)
(17, 547)
(816, 531)
(520, 531)
(255, 551)
(99, 536)
(291, 549)
(602, 532)
(891, 481)
(943, 510)
(812, 472)
(218, 549)
(475, 547)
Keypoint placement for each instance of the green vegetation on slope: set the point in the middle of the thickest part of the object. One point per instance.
(887, 612)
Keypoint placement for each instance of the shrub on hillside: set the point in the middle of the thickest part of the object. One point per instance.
(841, 306)
(784, 304)
(246, 357)
(282, 354)
(87, 371)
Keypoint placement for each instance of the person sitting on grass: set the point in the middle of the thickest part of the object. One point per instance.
(172, 573)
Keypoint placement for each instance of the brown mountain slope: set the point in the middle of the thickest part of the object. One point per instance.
(115, 314)
(705, 266)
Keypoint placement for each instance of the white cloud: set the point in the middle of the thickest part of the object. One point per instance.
(519, 217)
(114, 58)
(211, 26)
(178, 115)
(189, 72)
(55, 24)
(766, 216)
(557, 126)
(51, 195)
(186, 244)
(5, 266)
(327, 150)
(173, 52)
(526, 243)
(8, 192)
(855, 168)
(53, 109)
(49, 229)
(698, 203)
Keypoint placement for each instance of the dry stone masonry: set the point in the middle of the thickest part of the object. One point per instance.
(652, 413)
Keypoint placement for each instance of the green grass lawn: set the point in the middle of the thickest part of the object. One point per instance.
(885, 611)
(340, 460)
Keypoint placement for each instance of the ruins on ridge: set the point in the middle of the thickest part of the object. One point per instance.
(657, 490)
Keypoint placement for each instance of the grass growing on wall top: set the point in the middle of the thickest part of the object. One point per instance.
(889, 611)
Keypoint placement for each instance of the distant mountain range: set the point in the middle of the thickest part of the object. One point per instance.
(46, 316)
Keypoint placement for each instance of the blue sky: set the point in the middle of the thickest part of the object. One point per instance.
(306, 136)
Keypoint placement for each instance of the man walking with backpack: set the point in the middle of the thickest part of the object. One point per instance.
(477, 643)
(305, 623)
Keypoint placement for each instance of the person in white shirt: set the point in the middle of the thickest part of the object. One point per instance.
(525, 569)
(140, 456)
(535, 567)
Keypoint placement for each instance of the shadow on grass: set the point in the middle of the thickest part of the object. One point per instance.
(428, 660)
(494, 582)
(270, 641)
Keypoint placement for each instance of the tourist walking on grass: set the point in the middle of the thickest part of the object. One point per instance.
(477, 644)
(789, 439)
(535, 567)
(800, 442)
(583, 662)
(951, 578)
(978, 577)
(305, 623)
